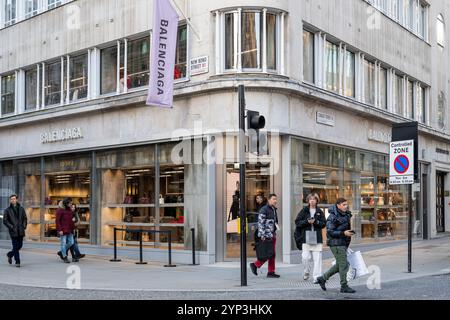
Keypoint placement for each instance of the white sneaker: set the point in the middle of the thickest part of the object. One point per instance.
(306, 276)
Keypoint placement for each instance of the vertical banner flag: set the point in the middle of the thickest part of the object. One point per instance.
(163, 50)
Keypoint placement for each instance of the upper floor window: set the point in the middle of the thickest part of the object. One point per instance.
(8, 94)
(32, 92)
(412, 14)
(78, 77)
(31, 8)
(250, 40)
(181, 53)
(369, 82)
(331, 66)
(410, 97)
(10, 12)
(421, 104)
(53, 83)
(383, 83)
(53, 3)
(398, 95)
(440, 30)
(441, 110)
(308, 56)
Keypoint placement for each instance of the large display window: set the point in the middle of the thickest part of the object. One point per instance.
(379, 209)
(130, 200)
(67, 177)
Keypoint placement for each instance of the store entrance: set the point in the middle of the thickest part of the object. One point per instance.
(258, 187)
(440, 201)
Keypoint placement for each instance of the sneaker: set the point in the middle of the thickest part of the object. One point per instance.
(81, 256)
(306, 276)
(66, 260)
(254, 268)
(60, 255)
(316, 282)
(17, 265)
(9, 259)
(273, 275)
(321, 281)
(347, 290)
(75, 260)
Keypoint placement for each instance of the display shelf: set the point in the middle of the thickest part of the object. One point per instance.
(178, 225)
(112, 206)
(171, 205)
(129, 224)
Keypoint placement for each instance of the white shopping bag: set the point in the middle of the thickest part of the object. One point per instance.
(357, 267)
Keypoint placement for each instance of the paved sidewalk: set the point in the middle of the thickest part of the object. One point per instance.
(44, 269)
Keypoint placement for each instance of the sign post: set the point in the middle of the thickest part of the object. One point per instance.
(403, 167)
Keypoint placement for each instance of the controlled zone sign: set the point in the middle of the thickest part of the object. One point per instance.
(401, 168)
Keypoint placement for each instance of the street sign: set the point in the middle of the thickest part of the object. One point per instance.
(401, 162)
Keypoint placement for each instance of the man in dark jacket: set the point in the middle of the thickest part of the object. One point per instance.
(267, 228)
(65, 227)
(339, 235)
(15, 219)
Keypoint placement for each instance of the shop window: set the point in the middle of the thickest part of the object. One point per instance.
(181, 53)
(379, 210)
(8, 94)
(78, 82)
(67, 177)
(129, 197)
(53, 83)
(32, 91)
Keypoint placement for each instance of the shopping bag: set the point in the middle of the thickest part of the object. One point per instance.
(311, 236)
(264, 250)
(232, 226)
(357, 265)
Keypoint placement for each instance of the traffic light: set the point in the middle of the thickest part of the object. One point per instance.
(257, 138)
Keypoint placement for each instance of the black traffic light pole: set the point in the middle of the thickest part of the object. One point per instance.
(242, 163)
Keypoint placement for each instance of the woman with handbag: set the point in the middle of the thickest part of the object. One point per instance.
(309, 224)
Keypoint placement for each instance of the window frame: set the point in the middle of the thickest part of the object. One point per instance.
(15, 96)
(261, 40)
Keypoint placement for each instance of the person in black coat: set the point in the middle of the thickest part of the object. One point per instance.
(310, 218)
(15, 219)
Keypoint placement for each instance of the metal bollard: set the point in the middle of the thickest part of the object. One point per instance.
(193, 247)
(170, 265)
(115, 247)
(141, 258)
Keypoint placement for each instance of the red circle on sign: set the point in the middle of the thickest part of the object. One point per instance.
(401, 164)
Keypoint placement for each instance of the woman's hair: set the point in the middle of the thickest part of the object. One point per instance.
(66, 202)
(312, 196)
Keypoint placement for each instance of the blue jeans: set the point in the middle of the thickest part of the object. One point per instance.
(74, 250)
(66, 242)
(17, 244)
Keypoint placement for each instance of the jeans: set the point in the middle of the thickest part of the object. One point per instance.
(66, 243)
(341, 266)
(17, 244)
(74, 250)
(259, 264)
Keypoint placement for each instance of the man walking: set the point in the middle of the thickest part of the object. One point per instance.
(65, 227)
(15, 219)
(267, 228)
(339, 235)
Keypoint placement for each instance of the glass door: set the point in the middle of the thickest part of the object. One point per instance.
(258, 187)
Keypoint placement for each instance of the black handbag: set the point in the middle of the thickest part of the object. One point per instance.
(265, 250)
